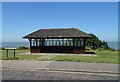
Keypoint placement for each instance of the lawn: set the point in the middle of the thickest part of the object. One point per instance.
(104, 57)
(18, 57)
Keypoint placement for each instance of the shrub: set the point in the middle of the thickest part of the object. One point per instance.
(2, 48)
(112, 49)
(23, 48)
(88, 48)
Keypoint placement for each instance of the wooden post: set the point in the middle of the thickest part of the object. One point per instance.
(84, 42)
(14, 53)
(7, 53)
(40, 42)
(30, 42)
(49, 42)
(52, 42)
(59, 41)
(36, 42)
(77, 42)
(56, 42)
(66, 42)
(43, 42)
(33, 42)
(73, 42)
(62, 41)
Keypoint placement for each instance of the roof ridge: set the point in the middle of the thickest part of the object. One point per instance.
(58, 28)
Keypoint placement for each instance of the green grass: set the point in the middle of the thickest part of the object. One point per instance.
(104, 57)
(18, 57)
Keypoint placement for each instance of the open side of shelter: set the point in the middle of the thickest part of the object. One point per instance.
(64, 40)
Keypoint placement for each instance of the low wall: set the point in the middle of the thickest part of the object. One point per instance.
(57, 49)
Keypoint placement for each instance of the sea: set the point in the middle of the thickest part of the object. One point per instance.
(113, 45)
(14, 44)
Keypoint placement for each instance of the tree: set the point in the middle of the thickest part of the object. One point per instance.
(96, 43)
(106, 45)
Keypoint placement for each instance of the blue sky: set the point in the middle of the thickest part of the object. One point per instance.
(22, 18)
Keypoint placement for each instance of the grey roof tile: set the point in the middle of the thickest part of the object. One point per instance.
(59, 32)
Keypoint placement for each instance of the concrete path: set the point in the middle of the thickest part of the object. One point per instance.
(23, 53)
(55, 54)
(29, 64)
(84, 66)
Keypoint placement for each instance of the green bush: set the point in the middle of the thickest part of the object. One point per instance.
(111, 49)
(22, 48)
(2, 48)
(88, 48)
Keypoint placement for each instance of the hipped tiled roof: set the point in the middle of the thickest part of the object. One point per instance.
(54, 33)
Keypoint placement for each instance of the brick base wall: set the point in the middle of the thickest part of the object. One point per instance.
(35, 50)
(78, 51)
(58, 49)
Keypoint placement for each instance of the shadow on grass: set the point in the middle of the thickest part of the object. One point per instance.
(90, 53)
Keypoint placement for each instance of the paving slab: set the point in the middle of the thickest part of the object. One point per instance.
(84, 66)
(29, 64)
